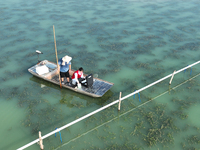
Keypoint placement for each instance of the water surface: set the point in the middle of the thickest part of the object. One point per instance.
(131, 43)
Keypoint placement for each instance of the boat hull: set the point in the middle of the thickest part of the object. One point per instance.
(98, 89)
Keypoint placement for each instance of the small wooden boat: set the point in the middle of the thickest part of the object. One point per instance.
(48, 71)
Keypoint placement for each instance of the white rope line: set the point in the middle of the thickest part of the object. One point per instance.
(158, 81)
(102, 108)
(126, 112)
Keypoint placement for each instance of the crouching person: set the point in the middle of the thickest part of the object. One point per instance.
(78, 78)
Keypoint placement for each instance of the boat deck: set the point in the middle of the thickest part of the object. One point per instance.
(98, 89)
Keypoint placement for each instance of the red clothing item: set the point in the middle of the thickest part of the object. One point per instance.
(79, 74)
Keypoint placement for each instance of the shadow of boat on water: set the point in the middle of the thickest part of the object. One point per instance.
(67, 95)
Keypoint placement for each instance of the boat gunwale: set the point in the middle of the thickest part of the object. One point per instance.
(65, 86)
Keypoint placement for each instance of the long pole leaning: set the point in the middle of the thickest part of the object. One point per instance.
(56, 55)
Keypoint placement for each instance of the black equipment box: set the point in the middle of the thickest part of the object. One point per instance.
(89, 80)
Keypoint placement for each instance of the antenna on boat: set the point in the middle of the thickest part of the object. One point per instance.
(38, 52)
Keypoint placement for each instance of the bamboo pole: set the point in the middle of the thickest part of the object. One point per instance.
(120, 95)
(40, 141)
(172, 77)
(56, 56)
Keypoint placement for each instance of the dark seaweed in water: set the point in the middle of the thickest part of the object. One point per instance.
(57, 17)
(186, 29)
(72, 103)
(48, 114)
(180, 114)
(88, 60)
(130, 85)
(194, 139)
(184, 104)
(159, 124)
(175, 38)
(143, 48)
(156, 121)
(147, 38)
(9, 93)
(82, 47)
(190, 46)
(102, 39)
(114, 46)
(191, 142)
(157, 133)
(125, 146)
(96, 29)
(175, 54)
(142, 65)
(114, 66)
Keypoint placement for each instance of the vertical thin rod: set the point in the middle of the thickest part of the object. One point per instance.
(40, 141)
(56, 55)
(120, 95)
(172, 77)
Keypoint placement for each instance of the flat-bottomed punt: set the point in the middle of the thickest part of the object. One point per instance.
(48, 71)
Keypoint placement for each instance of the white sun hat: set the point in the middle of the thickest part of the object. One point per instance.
(66, 59)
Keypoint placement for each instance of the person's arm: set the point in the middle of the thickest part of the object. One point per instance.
(69, 68)
(82, 76)
(76, 77)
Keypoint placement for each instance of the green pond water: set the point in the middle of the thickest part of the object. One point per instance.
(131, 43)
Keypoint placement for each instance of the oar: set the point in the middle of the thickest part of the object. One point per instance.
(56, 55)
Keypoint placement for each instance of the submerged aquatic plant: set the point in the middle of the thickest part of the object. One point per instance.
(191, 142)
(190, 46)
(180, 114)
(114, 46)
(186, 29)
(142, 65)
(159, 123)
(194, 139)
(184, 104)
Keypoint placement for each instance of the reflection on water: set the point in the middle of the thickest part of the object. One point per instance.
(70, 95)
(130, 43)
